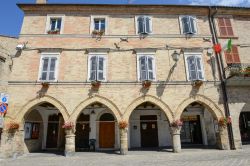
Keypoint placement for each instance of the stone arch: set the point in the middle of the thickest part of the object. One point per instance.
(164, 107)
(208, 103)
(94, 99)
(34, 102)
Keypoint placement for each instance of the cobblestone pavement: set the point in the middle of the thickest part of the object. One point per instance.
(191, 157)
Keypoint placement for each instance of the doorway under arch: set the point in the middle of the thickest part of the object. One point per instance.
(149, 127)
(106, 131)
(43, 128)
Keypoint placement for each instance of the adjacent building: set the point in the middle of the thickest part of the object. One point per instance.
(96, 67)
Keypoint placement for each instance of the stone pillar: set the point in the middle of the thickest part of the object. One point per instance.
(123, 141)
(11, 144)
(223, 139)
(176, 138)
(69, 142)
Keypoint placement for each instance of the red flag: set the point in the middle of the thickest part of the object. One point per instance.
(217, 48)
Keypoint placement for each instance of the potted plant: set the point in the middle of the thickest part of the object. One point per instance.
(95, 84)
(68, 126)
(224, 121)
(45, 84)
(12, 126)
(246, 72)
(55, 31)
(98, 32)
(146, 84)
(197, 83)
(177, 123)
(123, 124)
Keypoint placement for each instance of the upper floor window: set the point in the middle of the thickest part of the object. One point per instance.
(194, 67)
(188, 25)
(54, 24)
(99, 24)
(144, 25)
(97, 67)
(48, 67)
(146, 67)
(232, 56)
(225, 27)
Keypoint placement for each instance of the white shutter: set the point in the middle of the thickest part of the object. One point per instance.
(143, 68)
(147, 25)
(45, 68)
(140, 24)
(192, 68)
(100, 68)
(92, 68)
(185, 24)
(52, 69)
(199, 68)
(192, 23)
(150, 68)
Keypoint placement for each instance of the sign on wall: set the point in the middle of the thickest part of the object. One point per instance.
(4, 98)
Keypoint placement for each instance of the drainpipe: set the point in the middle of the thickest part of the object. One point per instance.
(222, 75)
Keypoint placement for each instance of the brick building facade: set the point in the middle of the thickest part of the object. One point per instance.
(96, 66)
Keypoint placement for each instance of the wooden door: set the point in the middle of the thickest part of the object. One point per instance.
(82, 132)
(245, 127)
(107, 134)
(149, 131)
(52, 131)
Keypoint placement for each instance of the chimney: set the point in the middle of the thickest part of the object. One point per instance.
(41, 1)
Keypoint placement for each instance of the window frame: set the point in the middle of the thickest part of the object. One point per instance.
(232, 54)
(226, 27)
(92, 22)
(197, 54)
(150, 24)
(195, 24)
(54, 16)
(49, 55)
(105, 64)
(152, 55)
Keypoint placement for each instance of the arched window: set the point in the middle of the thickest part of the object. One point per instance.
(107, 117)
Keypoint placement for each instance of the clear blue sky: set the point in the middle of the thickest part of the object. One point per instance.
(11, 16)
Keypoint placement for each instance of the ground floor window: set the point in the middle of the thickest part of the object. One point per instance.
(31, 130)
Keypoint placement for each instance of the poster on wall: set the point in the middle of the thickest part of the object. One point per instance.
(35, 131)
(27, 130)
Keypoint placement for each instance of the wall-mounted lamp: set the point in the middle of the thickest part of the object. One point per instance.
(210, 52)
(93, 112)
(176, 56)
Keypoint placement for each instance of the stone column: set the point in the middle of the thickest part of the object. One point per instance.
(69, 142)
(123, 141)
(223, 139)
(175, 131)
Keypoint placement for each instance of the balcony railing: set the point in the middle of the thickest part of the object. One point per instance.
(238, 74)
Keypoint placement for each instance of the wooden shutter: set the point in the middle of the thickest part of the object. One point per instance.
(143, 68)
(192, 68)
(232, 56)
(150, 68)
(100, 68)
(185, 25)
(52, 68)
(140, 25)
(225, 27)
(93, 67)
(147, 24)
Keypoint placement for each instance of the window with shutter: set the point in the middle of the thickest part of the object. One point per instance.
(194, 67)
(188, 24)
(232, 56)
(146, 67)
(97, 68)
(225, 27)
(144, 25)
(48, 68)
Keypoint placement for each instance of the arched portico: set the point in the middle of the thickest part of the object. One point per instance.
(201, 115)
(208, 103)
(164, 107)
(34, 102)
(97, 99)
